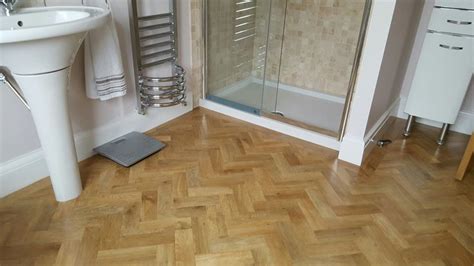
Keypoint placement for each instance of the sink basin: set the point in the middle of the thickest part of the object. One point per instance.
(53, 33)
(38, 46)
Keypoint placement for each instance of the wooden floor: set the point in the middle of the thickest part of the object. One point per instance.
(225, 192)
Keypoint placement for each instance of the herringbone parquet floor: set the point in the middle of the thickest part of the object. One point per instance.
(225, 192)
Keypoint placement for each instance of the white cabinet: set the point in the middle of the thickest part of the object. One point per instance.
(442, 77)
(446, 63)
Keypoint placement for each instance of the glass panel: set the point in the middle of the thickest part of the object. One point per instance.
(289, 60)
(309, 80)
(236, 50)
(274, 51)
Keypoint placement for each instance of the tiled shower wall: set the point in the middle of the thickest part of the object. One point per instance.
(195, 80)
(230, 55)
(320, 41)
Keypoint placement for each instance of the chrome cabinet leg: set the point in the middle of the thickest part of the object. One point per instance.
(443, 134)
(409, 125)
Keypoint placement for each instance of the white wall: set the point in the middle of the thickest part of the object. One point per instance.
(396, 58)
(93, 122)
(15, 121)
(353, 144)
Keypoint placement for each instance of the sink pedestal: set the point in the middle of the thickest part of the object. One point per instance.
(38, 46)
(47, 96)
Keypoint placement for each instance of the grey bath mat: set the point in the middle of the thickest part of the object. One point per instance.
(130, 149)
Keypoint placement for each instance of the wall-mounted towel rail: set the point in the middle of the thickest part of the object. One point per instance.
(155, 42)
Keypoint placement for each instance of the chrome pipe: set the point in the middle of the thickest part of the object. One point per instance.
(157, 45)
(172, 95)
(174, 17)
(156, 26)
(154, 81)
(161, 92)
(157, 35)
(152, 17)
(135, 34)
(170, 52)
(159, 62)
(4, 79)
(175, 87)
(154, 103)
(179, 78)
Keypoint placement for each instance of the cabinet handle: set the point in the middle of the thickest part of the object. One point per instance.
(459, 22)
(451, 47)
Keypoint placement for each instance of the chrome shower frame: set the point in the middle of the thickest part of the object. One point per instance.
(355, 68)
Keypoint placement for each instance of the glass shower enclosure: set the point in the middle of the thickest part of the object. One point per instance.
(290, 60)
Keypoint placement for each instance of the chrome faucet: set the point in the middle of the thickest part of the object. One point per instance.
(8, 6)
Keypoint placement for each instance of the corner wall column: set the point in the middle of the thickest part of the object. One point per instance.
(353, 143)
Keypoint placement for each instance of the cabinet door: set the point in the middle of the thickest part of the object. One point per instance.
(464, 4)
(442, 77)
(452, 20)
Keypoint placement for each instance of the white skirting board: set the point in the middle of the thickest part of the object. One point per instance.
(26, 169)
(290, 130)
(22, 171)
(379, 127)
(354, 150)
(391, 111)
(464, 123)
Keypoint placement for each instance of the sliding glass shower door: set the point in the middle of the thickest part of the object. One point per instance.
(288, 60)
(311, 50)
(236, 37)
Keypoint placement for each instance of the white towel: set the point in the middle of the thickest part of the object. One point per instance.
(105, 77)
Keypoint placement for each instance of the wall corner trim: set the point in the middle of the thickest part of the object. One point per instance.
(352, 150)
(353, 143)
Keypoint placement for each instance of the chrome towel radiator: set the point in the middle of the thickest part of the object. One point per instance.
(245, 32)
(155, 43)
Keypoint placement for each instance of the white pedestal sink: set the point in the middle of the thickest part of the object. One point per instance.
(38, 46)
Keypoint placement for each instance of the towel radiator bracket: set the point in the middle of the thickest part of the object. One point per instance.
(155, 43)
